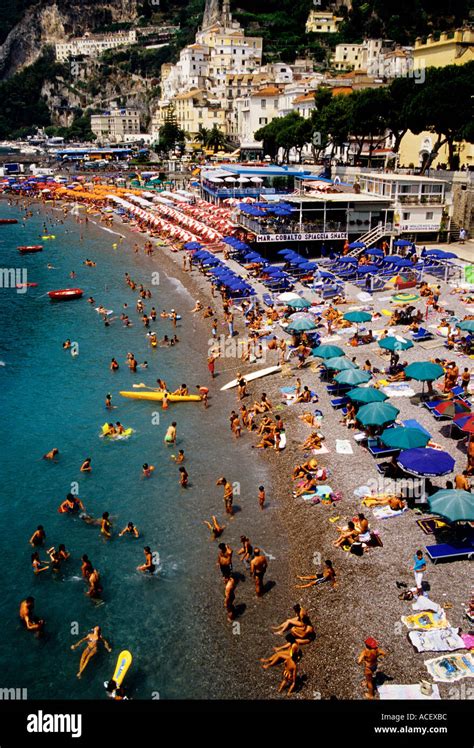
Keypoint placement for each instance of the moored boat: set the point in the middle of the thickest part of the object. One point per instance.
(8, 220)
(65, 294)
(29, 248)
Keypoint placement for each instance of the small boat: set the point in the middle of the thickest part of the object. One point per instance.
(4, 221)
(26, 249)
(26, 285)
(65, 294)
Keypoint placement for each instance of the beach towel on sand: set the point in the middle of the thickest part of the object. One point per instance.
(323, 450)
(411, 691)
(426, 620)
(384, 512)
(344, 447)
(438, 640)
(451, 668)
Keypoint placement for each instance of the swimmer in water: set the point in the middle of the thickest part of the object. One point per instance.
(114, 366)
(71, 504)
(51, 454)
(147, 470)
(179, 457)
(28, 618)
(183, 477)
(86, 465)
(38, 537)
(204, 392)
(95, 588)
(129, 529)
(67, 344)
(215, 528)
(106, 525)
(170, 436)
(93, 639)
(148, 566)
(108, 401)
(38, 565)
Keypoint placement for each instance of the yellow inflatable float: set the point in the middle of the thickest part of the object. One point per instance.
(157, 395)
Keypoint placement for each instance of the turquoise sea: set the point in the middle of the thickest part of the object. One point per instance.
(173, 623)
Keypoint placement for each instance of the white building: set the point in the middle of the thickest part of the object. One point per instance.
(92, 45)
(379, 58)
(322, 22)
(256, 111)
(113, 126)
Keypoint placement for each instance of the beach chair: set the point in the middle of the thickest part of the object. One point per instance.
(377, 449)
(422, 335)
(450, 551)
(411, 423)
(339, 402)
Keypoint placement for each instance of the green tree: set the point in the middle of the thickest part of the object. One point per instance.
(368, 122)
(215, 139)
(442, 105)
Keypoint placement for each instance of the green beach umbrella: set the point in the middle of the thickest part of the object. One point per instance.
(404, 438)
(467, 325)
(301, 325)
(299, 303)
(353, 376)
(327, 351)
(358, 317)
(392, 343)
(339, 363)
(367, 395)
(455, 505)
(376, 414)
(424, 371)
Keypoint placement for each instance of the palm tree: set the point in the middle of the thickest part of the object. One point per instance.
(202, 136)
(216, 139)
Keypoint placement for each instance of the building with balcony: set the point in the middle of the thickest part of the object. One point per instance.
(114, 125)
(92, 45)
(322, 22)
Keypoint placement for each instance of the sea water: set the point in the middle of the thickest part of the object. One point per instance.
(172, 622)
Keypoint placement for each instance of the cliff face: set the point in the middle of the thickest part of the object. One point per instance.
(51, 21)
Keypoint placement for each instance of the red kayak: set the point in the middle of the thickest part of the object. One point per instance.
(65, 294)
(26, 285)
(30, 248)
(8, 220)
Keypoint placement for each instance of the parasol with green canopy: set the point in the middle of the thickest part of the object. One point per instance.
(353, 377)
(358, 317)
(467, 325)
(299, 303)
(424, 371)
(453, 504)
(377, 414)
(339, 363)
(394, 343)
(327, 351)
(404, 437)
(301, 325)
(367, 395)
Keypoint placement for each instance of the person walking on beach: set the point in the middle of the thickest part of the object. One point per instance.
(369, 658)
(261, 497)
(419, 566)
(229, 597)
(258, 567)
(224, 560)
(211, 365)
(228, 494)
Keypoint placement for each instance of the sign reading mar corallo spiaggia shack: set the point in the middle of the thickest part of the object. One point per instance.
(301, 237)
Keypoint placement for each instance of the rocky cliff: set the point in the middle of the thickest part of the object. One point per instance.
(50, 21)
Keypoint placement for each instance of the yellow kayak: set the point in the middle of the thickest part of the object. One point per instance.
(155, 395)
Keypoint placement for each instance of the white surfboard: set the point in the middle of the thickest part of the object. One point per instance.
(253, 375)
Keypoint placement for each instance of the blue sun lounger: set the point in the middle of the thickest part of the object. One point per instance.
(421, 335)
(450, 551)
(411, 423)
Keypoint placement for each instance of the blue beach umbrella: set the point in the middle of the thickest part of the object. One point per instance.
(356, 245)
(426, 462)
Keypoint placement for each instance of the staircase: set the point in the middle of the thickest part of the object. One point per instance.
(370, 238)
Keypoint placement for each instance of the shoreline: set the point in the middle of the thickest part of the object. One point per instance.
(366, 601)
